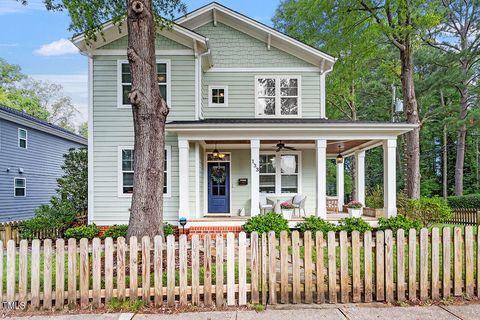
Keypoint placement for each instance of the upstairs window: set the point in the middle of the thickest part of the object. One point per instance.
(277, 96)
(126, 171)
(22, 138)
(125, 82)
(218, 96)
(19, 187)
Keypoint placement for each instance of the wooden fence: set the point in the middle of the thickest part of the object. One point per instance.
(465, 216)
(335, 267)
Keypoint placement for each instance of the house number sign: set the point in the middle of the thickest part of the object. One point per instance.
(255, 166)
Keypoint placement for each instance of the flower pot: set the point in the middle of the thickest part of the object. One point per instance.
(355, 212)
(287, 213)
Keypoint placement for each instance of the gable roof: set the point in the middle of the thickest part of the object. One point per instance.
(112, 32)
(217, 12)
(29, 121)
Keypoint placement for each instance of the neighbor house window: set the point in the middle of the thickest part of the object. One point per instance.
(126, 171)
(22, 138)
(279, 173)
(218, 96)
(19, 187)
(277, 96)
(125, 82)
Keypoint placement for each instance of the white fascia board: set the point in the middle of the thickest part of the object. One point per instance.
(227, 16)
(43, 128)
(112, 32)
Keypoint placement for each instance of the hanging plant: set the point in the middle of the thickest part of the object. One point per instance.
(218, 175)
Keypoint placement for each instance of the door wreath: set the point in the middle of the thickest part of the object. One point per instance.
(218, 174)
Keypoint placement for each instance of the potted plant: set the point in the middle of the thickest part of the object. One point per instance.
(354, 209)
(287, 209)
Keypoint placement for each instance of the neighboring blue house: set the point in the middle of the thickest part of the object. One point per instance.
(31, 156)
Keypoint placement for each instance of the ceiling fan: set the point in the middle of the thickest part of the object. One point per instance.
(281, 145)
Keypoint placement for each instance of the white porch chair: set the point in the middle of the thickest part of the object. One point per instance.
(298, 202)
(266, 205)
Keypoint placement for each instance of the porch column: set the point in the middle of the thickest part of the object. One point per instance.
(321, 154)
(360, 176)
(183, 171)
(340, 185)
(389, 177)
(255, 176)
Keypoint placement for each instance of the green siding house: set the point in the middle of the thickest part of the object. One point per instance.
(247, 128)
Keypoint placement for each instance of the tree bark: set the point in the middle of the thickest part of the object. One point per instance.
(412, 137)
(149, 116)
(461, 137)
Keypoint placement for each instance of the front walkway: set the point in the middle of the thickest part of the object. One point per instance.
(304, 312)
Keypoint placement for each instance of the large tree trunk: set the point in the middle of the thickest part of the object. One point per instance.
(461, 137)
(149, 115)
(412, 137)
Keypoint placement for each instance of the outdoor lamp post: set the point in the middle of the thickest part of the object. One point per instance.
(183, 222)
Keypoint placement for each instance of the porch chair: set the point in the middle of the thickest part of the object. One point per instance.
(298, 202)
(266, 205)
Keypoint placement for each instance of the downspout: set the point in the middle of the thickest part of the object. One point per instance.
(198, 74)
(323, 96)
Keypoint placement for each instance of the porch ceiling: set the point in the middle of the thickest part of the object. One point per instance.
(332, 145)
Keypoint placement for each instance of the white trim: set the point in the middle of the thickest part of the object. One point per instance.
(183, 178)
(232, 14)
(278, 172)
(278, 107)
(120, 193)
(197, 87)
(15, 187)
(91, 174)
(254, 177)
(321, 178)
(197, 179)
(123, 52)
(264, 69)
(120, 104)
(26, 138)
(225, 98)
(205, 178)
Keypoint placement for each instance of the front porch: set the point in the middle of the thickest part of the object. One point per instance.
(227, 190)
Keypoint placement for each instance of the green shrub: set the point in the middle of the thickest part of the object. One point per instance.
(398, 222)
(90, 231)
(374, 198)
(315, 224)
(266, 222)
(116, 231)
(464, 202)
(352, 224)
(58, 215)
(428, 210)
(168, 229)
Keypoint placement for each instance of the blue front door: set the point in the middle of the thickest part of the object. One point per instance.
(218, 187)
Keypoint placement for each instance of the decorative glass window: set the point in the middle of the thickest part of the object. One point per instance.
(218, 96)
(19, 187)
(22, 138)
(279, 173)
(126, 82)
(278, 96)
(126, 171)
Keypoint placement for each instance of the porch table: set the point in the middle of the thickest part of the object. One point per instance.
(277, 200)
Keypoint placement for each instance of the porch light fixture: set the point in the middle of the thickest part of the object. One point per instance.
(339, 157)
(217, 154)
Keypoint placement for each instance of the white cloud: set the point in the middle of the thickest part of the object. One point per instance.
(57, 48)
(75, 86)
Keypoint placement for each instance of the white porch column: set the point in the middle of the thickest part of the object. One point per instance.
(340, 185)
(360, 176)
(389, 177)
(255, 176)
(183, 171)
(321, 154)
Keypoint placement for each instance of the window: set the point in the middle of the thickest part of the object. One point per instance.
(280, 173)
(19, 187)
(22, 138)
(218, 96)
(277, 96)
(126, 156)
(125, 82)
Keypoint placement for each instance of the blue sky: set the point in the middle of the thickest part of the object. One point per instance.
(36, 40)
